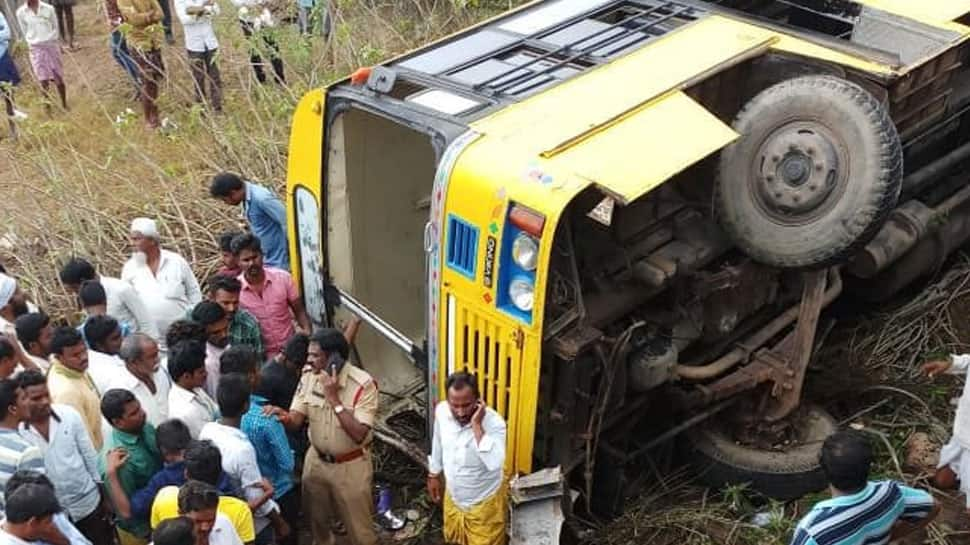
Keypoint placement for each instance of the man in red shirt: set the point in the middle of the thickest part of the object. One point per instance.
(269, 294)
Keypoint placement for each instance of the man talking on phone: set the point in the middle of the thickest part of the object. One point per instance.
(468, 447)
(339, 402)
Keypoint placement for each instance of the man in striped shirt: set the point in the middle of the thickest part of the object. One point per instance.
(861, 512)
(16, 453)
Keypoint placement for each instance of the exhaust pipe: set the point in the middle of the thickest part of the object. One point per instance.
(927, 255)
(906, 227)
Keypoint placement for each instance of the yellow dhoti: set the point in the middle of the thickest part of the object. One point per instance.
(482, 524)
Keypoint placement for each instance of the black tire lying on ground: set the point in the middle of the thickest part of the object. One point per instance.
(787, 475)
(817, 169)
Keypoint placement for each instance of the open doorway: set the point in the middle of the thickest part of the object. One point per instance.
(379, 178)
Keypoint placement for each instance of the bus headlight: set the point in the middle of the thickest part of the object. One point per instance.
(525, 252)
(522, 294)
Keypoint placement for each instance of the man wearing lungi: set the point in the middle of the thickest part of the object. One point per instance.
(39, 23)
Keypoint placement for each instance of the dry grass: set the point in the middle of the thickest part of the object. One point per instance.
(74, 180)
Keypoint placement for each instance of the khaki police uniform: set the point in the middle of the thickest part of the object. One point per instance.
(338, 473)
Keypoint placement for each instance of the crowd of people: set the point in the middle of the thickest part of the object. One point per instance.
(215, 411)
(137, 31)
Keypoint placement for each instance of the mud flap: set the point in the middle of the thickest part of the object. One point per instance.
(535, 508)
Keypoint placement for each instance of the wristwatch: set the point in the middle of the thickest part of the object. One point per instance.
(338, 409)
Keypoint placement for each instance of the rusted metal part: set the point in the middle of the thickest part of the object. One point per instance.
(744, 350)
(744, 379)
(908, 225)
(904, 228)
(796, 350)
(385, 432)
(732, 295)
(928, 255)
(569, 345)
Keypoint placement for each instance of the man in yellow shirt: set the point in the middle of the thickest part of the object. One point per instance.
(69, 382)
(203, 462)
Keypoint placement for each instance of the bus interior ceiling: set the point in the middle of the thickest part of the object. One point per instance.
(379, 177)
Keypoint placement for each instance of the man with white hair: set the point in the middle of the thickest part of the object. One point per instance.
(162, 278)
(144, 376)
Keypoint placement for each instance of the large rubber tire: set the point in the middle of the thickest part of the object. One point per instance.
(818, 167)
(783, 475)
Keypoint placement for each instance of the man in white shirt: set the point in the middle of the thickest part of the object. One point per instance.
(239, 457)
(69, 457)
(144, 376)
(34, 332)
(163, 279)
(187, 401)
(215, 320)
(202, 46)
(123, 303)
(199, 502)
(468, 446)
(39, 23)
(103, 335)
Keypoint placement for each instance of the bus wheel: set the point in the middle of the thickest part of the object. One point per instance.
(780, 472)
(817, 168)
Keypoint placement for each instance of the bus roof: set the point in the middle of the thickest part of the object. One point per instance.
(533, 49)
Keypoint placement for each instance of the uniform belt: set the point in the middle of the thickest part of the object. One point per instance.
(340, 458)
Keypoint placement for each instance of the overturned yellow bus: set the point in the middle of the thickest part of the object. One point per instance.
(627, 216)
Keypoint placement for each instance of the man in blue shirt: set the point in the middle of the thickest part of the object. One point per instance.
(861, 512)
(267, 435)
(173, 439)
(264, 212)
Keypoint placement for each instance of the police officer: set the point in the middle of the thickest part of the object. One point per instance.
(339, 403)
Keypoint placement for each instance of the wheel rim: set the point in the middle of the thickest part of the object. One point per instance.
(799, 172)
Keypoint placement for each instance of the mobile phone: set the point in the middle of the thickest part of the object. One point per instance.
(336, 364)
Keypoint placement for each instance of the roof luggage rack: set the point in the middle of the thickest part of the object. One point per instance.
(638, 20)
